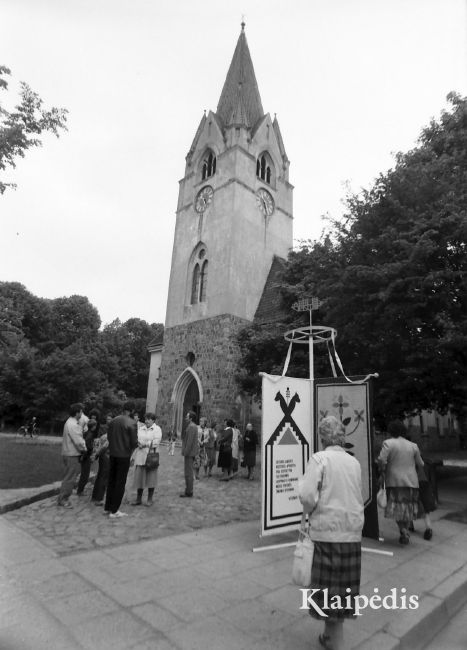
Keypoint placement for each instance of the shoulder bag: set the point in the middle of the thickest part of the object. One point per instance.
(152, 459)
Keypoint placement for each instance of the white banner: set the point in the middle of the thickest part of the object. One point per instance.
(286, 445)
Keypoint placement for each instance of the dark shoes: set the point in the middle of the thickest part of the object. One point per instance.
(404, 538)
(137, 503)
(324, 640)
(184, 494)
(428, 534)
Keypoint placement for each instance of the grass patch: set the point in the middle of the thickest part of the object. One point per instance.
(28, 463)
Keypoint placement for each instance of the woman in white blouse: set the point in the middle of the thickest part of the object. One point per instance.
(149, 438)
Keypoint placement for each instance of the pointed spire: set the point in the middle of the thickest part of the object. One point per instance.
(240, 101)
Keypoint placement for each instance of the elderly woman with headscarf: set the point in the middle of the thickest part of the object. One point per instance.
(398, 460)
(331, 494)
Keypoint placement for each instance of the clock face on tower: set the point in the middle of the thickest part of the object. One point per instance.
(203, 198)
(265, 202)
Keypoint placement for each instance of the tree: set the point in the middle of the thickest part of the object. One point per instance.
(52, 354)
(74, 320)
(127, 344)
(20, 128)
(392, 274)
(24, 315)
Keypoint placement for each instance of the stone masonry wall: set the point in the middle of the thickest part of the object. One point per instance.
(212, 341)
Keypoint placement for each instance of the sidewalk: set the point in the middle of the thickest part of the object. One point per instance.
(207, 589)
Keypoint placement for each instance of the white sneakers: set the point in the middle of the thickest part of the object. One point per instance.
(117, 515)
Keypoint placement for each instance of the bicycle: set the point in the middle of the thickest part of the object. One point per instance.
(24, 431)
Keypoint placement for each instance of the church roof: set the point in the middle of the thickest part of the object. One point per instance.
(270, 307)
(277, 131)
(240, 101)
(157, 340)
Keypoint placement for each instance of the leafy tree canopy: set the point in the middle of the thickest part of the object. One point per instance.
(52, 354)
(20, 128)
(392, 275)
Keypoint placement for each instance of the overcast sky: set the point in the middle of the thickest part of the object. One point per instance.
(351, 81)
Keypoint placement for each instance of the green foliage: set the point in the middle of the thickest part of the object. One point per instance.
(52, 354)
(392, 275)
(20, 128)
(127, 344)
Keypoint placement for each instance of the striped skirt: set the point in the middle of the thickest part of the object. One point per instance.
(336, 572)
(402, 503)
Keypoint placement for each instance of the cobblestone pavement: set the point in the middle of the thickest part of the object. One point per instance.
(85, 527)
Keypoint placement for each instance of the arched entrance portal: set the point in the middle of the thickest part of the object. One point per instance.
(187, 396)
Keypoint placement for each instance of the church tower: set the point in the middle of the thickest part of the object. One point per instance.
(234, 217)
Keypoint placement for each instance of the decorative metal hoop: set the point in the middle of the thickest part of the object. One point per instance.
(319, 334)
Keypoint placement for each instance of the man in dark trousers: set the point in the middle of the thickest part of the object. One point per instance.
(123, 438)
(190, 449)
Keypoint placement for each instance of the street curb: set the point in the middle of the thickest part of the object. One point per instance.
(25, 501)
(438, 607)
(44, 492)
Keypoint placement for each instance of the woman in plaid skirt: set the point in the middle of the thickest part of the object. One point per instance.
(399, 459)
(331, 494)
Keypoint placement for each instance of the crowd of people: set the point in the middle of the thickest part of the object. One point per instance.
(127, 453)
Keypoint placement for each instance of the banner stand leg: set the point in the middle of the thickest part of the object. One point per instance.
(259, 549)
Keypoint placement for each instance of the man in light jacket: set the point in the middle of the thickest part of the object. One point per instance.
(73, 446)
(190, 449)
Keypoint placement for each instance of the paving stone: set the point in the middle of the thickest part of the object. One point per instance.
(256, 619)
(453, 591)
(37, 571)
(234, 590)
(45, 637)
(205, 635)
(133, 592)
(411, 627)
(286, 598)
(20, 608)
(154, 643)
(61, 586)
(379, 641)
(192, 605)
(115, 631)
(272, 575)
(157, 616)
(131, 570)
(81, 607)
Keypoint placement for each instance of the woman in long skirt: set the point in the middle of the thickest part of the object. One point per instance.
(398, 461)
(224, 460)
(331, 494)
(149, 438)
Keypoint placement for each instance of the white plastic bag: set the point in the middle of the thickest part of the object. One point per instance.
(303, 559)
(381, 497)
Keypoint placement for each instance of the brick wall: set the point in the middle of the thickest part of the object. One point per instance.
(212, 341)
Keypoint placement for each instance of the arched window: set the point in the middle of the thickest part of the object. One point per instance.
(198, 274)
(208, 165)
(195, 285)
(265, 168)
(204, 282)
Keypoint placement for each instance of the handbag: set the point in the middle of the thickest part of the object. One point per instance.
(303, 556)
(381, 497)
(152, 459)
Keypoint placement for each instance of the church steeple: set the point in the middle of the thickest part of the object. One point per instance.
(240, 101)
